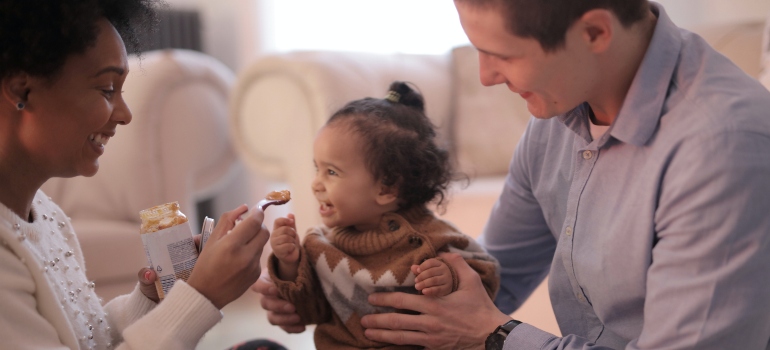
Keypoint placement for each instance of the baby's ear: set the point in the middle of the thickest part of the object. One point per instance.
(388, 195)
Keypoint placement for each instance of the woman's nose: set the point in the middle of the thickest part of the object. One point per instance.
(122, 114)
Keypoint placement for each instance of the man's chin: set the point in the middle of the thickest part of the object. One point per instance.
(541, 113)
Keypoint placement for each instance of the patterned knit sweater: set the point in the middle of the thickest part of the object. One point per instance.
(340, 267)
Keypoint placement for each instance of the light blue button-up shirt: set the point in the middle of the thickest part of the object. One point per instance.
(657, 234)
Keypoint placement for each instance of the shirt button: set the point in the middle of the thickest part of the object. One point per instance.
(580, 297)
(587, 155)
(568, 231)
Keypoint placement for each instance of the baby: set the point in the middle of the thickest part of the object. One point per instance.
(377, 169)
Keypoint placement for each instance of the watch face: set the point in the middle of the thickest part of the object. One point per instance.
(494, 342)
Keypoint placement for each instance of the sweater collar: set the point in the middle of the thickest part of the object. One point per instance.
(392, 227)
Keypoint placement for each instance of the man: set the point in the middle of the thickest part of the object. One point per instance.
(642, 187)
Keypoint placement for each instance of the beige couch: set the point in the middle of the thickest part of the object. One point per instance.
(280, 102)
(176, 149)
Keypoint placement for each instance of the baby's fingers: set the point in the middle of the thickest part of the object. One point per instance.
(284, 222)
(431, 263)
(279, 243)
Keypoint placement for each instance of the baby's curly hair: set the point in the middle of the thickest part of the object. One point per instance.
(400, 145)
(37, 36)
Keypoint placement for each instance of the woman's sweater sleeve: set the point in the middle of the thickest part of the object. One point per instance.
(178, 322)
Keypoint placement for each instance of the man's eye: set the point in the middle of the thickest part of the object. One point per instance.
(331, 172)
(108, 93)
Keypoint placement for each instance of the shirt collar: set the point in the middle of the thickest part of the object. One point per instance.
(638, 118)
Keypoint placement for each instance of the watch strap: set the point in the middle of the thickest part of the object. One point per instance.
(496, 339)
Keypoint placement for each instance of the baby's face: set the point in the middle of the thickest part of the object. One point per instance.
(346, 191)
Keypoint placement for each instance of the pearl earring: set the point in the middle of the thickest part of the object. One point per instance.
(20, 106)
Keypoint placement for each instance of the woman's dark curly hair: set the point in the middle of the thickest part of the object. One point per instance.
(37, 36)
(399, 144)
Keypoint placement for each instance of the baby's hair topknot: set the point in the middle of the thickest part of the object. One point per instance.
(399, 142)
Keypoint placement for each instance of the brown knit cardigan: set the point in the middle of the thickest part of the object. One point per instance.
(340, 267)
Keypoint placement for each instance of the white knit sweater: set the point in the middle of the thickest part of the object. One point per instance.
(46, 301)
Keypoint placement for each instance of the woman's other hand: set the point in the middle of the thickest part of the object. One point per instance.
(147, 279)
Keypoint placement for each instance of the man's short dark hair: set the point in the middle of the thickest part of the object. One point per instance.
(547, 21)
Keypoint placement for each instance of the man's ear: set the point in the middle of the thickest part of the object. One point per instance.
(387, 195)
(15, 88)
(597, 28)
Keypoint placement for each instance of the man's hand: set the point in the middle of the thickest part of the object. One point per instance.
(460, 320)
(279, 312)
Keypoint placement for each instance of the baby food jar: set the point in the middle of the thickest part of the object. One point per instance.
(168, 244)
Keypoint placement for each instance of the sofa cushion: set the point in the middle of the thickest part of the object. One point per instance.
(487, 121)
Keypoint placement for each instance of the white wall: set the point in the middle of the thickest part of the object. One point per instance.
(691, 13)
(237, 31)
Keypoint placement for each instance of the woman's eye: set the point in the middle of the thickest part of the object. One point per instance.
(331, 172)
(108, 93)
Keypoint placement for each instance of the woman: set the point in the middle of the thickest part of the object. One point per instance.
(62, 67)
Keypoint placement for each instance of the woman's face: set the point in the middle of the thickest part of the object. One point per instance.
(67, 121)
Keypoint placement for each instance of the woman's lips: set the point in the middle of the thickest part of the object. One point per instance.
(98, 141)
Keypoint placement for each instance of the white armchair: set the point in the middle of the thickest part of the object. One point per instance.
(281, 101)
(176, 149)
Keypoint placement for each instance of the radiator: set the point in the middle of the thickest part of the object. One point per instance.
(177, 29)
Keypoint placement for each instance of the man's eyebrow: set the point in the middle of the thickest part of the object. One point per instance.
(110, 69)
(489, 53)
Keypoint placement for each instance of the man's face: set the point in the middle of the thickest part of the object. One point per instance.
(552, 83)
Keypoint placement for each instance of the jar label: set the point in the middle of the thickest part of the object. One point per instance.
(171, 252)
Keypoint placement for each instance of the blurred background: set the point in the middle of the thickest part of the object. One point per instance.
(238, 31)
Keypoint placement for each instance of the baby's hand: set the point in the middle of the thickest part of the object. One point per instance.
(284, 240)
(434, 278)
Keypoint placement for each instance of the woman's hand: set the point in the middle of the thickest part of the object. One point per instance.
(460, 320)
(229, 263)
(280, 312)
(147, 279)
